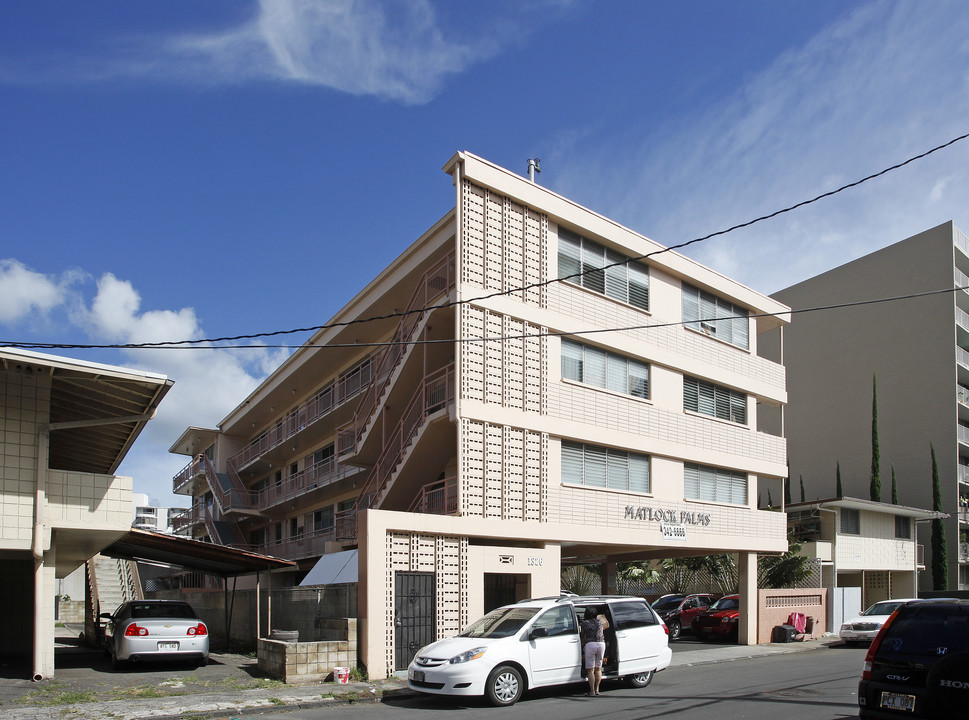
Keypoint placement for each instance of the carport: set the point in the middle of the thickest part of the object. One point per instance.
(219, 560)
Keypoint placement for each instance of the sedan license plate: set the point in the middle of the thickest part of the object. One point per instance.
(162, 646)
(417, 675)
(897, 701)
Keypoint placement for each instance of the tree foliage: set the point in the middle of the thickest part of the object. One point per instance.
(875, 487)
(940, 565)
(894, 487)
(839, 490)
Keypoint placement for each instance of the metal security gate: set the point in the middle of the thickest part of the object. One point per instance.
(414, 609)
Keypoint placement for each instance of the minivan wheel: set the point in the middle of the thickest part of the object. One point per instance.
(640, 679)
(504, 685)
(675, 629)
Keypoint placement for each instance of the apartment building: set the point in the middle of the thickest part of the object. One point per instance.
(65, 427)
(145, 516)
(881, 563)
(507, 397)
(915, 351)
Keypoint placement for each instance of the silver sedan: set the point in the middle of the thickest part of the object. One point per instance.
(144, 630)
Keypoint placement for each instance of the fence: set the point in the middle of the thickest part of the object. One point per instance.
(307, 610)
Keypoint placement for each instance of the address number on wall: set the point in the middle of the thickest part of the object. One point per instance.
(534, 561)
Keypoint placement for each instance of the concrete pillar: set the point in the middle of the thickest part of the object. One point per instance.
(749, 599)
(609, 582)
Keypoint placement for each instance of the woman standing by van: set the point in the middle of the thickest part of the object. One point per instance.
(594, 647)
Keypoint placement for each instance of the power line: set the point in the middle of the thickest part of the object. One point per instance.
(500, 338)
(316, 328)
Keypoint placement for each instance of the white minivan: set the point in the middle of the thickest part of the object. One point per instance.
(535, 643)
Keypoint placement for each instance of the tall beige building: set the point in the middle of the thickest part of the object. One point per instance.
(495, 422)
(918, 351)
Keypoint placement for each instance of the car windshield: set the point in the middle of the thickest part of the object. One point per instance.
(667, 604)
(498, 623)
(883, 608)
(725, 603)
(179, 611)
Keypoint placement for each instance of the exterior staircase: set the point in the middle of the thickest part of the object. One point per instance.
(110, 582)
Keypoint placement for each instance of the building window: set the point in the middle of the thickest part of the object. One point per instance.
(804, 525)
(714, 400)
(903, 527)
(715, 484)
(627, 281)
(595, 466)
(715, 317)
(323, 519)
(850, 522)
(606, 370)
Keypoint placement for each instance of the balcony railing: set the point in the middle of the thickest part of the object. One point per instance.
(188, 517)
(961, 279)
(962, 394)
(437, 498)
(435, 393)
(962, 317)
(964, 473)
(963, 552)
(187, 473)
(963, 515)
(346, 387)
(964, 434)
(920, 555)
(319, 475)
(435, 282)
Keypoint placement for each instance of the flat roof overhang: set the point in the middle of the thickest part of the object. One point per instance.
(192, 554)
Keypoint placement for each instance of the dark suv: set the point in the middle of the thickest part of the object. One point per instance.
(918, 664)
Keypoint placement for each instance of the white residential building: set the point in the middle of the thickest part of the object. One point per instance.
(497, 422)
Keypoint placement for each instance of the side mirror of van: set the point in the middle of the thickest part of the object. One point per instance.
(537, 633)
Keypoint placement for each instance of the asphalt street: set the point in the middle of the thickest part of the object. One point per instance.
(817, 684)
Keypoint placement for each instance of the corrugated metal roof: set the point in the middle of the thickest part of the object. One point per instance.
(192, 554)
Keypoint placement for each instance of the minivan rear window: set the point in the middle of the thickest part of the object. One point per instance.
(927, 631)
(632, 615)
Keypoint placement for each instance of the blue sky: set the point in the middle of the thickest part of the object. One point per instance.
(181, 169)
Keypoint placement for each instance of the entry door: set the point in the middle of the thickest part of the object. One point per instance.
(414, 609)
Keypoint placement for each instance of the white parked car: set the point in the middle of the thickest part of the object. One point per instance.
(535, 643)
(865, 627)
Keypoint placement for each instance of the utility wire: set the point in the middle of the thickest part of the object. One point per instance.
(524, 336)
(315, 328)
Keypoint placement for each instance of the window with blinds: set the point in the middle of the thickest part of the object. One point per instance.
(850, 524)
(714, 400)
(715, 317)
(587, 364)
(595, 466)
(592, 266)
(714, 484)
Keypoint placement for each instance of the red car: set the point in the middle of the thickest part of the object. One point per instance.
(719, 619)
(678, 611)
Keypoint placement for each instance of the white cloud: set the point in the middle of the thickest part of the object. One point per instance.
(361, 47)
(209, 382)
(393, 51)
(28, 294)
(883, 83)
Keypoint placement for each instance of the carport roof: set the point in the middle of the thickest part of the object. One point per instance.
(192, 554)
(96, 411)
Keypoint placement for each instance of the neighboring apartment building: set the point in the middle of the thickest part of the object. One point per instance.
(871, 546)
(496, 423)
(65, 427)
(145, 516)
(918, 349)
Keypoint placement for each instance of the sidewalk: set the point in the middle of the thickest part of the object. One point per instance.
(85, 687)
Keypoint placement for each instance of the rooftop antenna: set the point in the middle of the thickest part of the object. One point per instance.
(534, 166)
